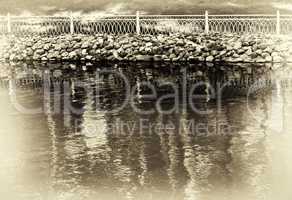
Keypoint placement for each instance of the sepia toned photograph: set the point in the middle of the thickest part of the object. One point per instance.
(146, 99)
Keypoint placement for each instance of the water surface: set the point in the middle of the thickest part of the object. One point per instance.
(245, 152)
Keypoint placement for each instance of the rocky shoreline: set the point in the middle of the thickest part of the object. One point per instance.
(159, 48)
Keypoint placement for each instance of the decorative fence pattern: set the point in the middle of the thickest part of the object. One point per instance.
(146, 24)
(286, 24)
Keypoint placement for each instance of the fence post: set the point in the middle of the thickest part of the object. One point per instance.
(8, 23)
(206, 22)
(138, 23)
(71, 23)
(278, 23)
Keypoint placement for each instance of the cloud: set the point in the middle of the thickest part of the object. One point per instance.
(111, 9)
(237, 5)
(119, 8)
(68, 13)
(25, 13)
(48, 8)
(282, 6)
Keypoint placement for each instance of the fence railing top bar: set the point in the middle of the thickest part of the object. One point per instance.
(110, 16)
(57, 16)
(141, 15)
(172, 15)
(243, 15)
(62, 16)
(242, 20)
(40, 17)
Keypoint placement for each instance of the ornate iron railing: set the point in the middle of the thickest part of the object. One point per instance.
(108, 24)
(286, 24)
(40, 25)
(3, 25)
(243, 23)
(145, 24)
(153, 24)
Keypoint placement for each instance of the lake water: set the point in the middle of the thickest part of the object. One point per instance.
(107, 131)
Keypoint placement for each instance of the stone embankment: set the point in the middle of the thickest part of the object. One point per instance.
(167, 48)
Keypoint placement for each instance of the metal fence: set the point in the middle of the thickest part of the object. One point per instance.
(145, 24)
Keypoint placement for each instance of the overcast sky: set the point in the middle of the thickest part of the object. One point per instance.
(36, 7)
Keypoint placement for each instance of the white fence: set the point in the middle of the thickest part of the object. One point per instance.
(145, 24)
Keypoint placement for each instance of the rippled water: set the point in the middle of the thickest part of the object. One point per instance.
(88, 155)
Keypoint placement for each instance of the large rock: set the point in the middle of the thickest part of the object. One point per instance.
(148, 44)
(144, 58)
(172, 56)
(85, 45)
(72, 55)
(116, 55)
(201, 59)
(210, 59)
(180, 42)
(260, 59)
(84, 52)
(214, 53)
(88, 57)
(65, 55)
(269, 59)
(40, 51)
(157, 58)
(44, 59)
(237, 45)
(47, 47)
